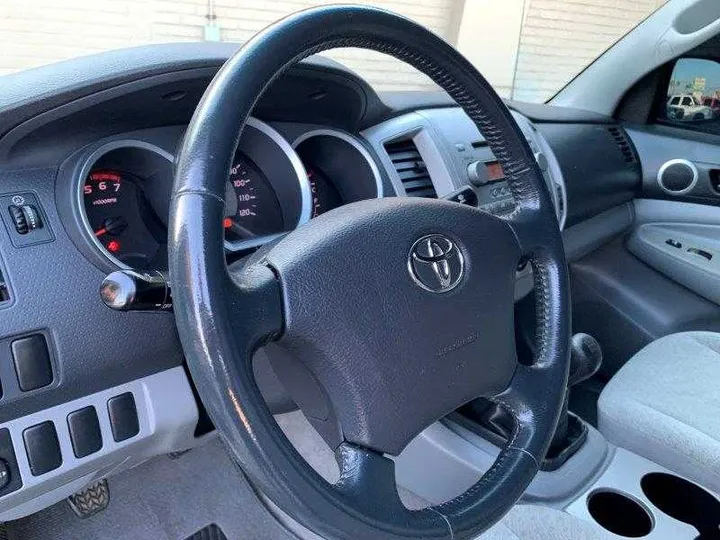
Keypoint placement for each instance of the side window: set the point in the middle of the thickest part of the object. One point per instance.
(693, 95)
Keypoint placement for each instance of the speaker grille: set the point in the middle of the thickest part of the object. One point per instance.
(677, 176)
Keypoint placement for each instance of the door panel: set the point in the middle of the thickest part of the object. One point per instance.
(682, 241)
(677, 224)
(639, 288)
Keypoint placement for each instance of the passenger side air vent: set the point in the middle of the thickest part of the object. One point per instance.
(411, 169)
(625, 146)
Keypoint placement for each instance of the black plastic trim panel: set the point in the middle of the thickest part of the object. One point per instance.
(596, 173)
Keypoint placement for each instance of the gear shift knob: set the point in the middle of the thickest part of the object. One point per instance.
(585, 358)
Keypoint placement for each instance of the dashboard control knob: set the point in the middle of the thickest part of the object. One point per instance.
(25, 217)
(477, 173)
(129, 290)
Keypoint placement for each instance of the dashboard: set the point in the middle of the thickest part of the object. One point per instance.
(87, 150)
(282, 176)
(116, 191)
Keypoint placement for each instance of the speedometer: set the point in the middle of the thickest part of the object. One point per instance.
(251, 206)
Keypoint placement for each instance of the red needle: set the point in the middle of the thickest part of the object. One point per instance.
(101, 232)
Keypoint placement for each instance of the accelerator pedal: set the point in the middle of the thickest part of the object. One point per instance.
(91, 500)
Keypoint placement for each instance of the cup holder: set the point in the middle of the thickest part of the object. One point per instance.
(619, 514)
(684, 501)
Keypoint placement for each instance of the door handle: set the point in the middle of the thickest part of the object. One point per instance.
(701, 252)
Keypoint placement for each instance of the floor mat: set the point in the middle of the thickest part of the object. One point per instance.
(211, 532)
(165, 499)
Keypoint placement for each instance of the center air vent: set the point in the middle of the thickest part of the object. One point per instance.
(625, 146)
(411, 169)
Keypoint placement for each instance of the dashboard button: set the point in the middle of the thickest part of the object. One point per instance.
(32, 362)
(84, 430)
(123, 417)
(43, 448)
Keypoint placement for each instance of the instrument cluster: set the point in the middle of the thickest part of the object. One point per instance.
(273, 186)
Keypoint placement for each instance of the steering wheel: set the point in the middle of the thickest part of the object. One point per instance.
(396, 311)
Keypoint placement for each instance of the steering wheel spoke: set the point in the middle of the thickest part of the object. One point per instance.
(532, 403)
(254, 305)
(367, 477)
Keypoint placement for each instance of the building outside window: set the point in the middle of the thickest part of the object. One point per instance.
(528, 49)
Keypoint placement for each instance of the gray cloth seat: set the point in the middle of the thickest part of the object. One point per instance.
(664, 405)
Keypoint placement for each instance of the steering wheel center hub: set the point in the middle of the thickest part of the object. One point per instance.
(398, 325)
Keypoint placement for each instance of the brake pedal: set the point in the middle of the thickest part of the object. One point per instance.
(91, 500)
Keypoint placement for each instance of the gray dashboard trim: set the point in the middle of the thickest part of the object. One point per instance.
(416, 127)
(460, 457)
(435, 131)
(167, 416)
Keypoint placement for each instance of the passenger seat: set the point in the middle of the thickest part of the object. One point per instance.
(664, 404)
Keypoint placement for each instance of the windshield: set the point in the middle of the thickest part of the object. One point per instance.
(528, 49)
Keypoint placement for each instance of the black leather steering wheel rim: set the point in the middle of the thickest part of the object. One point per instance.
(224, 316)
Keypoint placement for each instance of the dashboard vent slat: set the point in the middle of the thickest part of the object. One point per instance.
(625, 146)
(411, 169)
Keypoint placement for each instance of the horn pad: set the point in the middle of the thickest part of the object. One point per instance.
(400, 311)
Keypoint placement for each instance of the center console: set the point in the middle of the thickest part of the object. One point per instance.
(612, 488)
(635, 498)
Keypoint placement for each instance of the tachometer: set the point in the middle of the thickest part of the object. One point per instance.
(113, 201)
(251, 206)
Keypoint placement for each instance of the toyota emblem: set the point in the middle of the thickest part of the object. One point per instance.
(435, 263)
